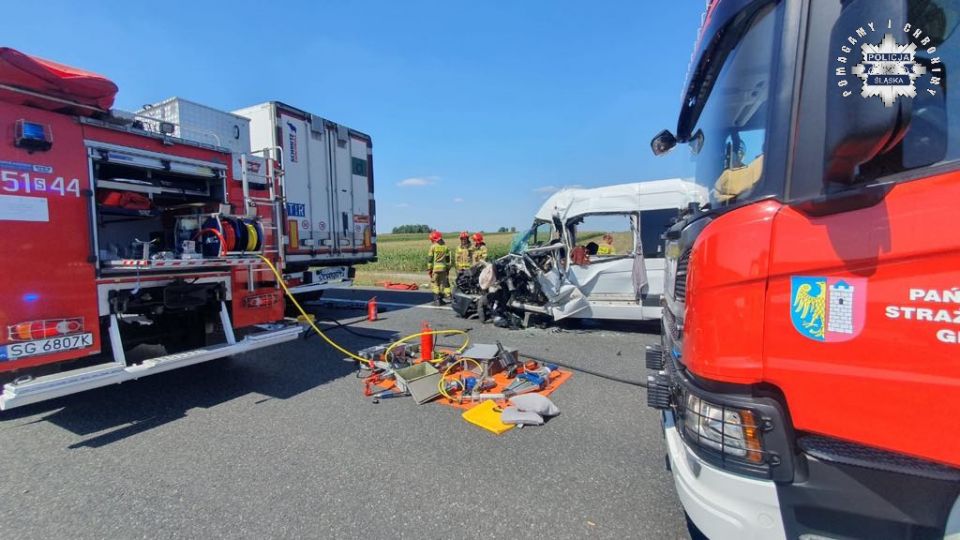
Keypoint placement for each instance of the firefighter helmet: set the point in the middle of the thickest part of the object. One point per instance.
(478, 237)
(464, 235)
(435, 236)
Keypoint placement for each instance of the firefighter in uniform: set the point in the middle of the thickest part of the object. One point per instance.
(438, 268)
(479, 249)
(463, 257)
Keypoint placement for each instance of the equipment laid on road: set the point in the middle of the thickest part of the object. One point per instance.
(488, 415)
(463, 377)
(420, 380)
(809, 371)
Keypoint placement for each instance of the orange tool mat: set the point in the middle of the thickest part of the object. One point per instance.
(557, 378)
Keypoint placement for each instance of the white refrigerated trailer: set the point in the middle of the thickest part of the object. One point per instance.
(328, 222)
(327, 183)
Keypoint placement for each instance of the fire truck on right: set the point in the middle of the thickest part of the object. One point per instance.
(809, 369)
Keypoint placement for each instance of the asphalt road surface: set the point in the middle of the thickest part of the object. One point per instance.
(282, 443)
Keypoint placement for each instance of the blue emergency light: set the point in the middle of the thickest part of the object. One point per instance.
(33, 137)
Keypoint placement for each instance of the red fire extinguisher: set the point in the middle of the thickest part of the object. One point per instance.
(372, 309)
(426, 342)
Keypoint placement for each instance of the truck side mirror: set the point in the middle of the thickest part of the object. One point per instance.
(663, 142)
(860, 128)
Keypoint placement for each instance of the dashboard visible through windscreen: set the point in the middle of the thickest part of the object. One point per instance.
(728, 137)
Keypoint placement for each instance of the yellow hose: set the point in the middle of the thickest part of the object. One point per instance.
(461, 360)
(463, 347)
(307, 317)
(332, 343)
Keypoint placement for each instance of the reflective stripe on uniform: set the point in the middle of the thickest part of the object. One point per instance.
(480, 254)
(464, 258)
(440, 283)
(438, 258)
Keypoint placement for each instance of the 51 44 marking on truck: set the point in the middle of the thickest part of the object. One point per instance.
(22, 182)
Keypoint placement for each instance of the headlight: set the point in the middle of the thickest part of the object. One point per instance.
(731, 431)
(672, 250)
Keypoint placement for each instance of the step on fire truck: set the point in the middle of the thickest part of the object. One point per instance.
(126, 229)
(809, 372)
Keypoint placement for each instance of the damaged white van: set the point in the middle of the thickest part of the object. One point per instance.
(590, 253)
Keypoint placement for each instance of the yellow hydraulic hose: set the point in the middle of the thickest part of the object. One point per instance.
(463, 347)
(334, 344)
(307, 317)
(462, 360)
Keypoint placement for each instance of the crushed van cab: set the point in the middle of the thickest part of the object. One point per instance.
(590, 253)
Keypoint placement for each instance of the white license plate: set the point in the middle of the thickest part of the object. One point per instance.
(13, 351)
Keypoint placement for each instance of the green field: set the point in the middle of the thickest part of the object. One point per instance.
(407, 253)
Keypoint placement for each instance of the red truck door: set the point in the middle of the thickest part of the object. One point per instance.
(863, 320)
(48, 303)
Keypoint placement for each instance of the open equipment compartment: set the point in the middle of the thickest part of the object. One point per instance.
(160, 211)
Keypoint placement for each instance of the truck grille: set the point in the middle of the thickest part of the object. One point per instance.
(680, 278)
(670, 325)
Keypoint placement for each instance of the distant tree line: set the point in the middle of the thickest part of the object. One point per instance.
(505, 229)
(402, 229)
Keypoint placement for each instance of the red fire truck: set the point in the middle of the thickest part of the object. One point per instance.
(809, 371)
(120, 234)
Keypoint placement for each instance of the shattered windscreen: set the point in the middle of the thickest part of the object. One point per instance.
(538, 235)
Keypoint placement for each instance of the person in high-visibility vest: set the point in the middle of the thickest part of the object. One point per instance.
(463, 258)
(438, 268)
(606, 248)
(479, 249)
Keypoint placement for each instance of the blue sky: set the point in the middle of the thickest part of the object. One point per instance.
(477, 109)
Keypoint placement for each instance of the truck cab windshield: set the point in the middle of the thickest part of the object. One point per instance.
(727, 139)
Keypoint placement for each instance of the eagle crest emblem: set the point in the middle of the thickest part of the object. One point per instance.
(828, 309)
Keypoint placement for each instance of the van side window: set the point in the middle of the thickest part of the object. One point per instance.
(605, 235)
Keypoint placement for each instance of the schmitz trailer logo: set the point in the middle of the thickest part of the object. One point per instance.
(292, 142)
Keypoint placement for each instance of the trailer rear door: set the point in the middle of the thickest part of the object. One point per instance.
(355, 187)
(328, 186)
(307, 188)
(48, 303)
